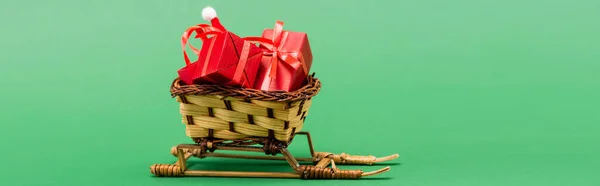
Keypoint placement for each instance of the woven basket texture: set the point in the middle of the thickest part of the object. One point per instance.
(230, 113)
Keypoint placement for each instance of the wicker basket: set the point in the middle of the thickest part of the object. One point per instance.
(227, 113)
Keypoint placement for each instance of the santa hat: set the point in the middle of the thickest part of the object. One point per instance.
(209, 14)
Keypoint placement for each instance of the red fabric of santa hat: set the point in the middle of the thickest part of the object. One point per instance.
(209, 14)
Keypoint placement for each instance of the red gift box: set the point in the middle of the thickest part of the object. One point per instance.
(286, 62)
(224, 59)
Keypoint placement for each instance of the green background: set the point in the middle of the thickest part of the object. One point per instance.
(468, 92)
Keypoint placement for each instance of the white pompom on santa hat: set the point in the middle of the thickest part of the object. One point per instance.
(210, 14)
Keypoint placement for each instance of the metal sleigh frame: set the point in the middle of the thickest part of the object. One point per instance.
(318, 170)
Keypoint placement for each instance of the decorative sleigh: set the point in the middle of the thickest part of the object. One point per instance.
(236, 119)
(229, 118)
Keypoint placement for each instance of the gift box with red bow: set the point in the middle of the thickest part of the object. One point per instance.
(286, 60)
(224, 58)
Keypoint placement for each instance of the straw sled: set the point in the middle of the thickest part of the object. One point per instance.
(221, 118)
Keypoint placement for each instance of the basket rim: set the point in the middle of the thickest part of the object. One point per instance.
(310, 90)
